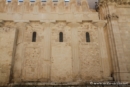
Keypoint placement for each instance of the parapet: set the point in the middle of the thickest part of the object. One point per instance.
(43, 6)
(44, 11)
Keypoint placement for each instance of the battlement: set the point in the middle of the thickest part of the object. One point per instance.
(42, 6)
(73, 10)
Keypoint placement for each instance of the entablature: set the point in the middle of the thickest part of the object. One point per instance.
(97, 23)
(50, 16)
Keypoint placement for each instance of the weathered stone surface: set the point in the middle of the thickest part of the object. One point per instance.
(94, 46)
(117, 13)
(7, 45)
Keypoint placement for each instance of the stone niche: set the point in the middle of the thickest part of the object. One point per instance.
(7, 50)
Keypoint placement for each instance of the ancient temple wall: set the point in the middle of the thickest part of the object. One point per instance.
(89, 53)
(7, 51)
(118, 19)
(41, 56)
(44, 59)
(31, 59)
(61, 53)
(124, 30)
(46, 11)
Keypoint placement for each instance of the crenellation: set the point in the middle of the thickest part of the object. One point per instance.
(14, 6)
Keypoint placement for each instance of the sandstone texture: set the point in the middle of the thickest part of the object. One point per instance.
(64, 42)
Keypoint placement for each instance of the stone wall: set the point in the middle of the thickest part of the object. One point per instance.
(43, 57)
(61, 53)
(46, 11)
(89, 53)
(118, 17)
(7, 50)
(124, 30)
(47, 59)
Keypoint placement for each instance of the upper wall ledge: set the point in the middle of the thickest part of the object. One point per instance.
(53, 21)
(49, 6)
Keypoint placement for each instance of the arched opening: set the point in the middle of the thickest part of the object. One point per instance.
(87, 37)
(34, 35)
(61, 37)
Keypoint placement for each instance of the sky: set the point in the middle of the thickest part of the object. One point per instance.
(90, 2)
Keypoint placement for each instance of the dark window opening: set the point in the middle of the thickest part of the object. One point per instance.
(34, 35)
(87, 37)
(60, 37)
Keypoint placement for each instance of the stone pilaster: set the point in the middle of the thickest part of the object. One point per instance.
(103, 49)
(47, 49)
(7, 51)
(75, 50)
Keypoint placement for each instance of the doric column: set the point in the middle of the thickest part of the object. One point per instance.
(75, 50)
(47, 49)
(103, 49)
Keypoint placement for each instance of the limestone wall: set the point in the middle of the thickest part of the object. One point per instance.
(118, 17)
(124, 30)
(31, 61)
(46, 11)
(42, 57)
(47, 59)
(7, 50)
(61, 53)
(89, 53)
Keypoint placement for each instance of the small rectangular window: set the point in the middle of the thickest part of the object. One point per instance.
(87, 37)
(34, 35)
(61, 37)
